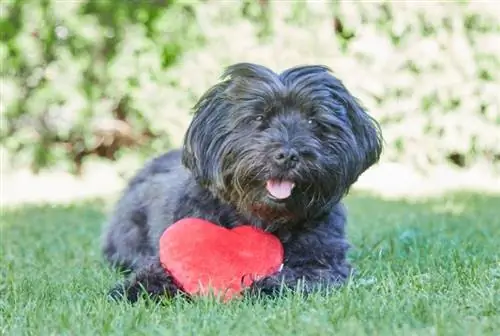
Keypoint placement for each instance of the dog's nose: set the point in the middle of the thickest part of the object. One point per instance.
(286, 156)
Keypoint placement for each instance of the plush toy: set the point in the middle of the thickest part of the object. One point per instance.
(206, 258)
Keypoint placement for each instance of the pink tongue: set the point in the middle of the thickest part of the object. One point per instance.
(279, 189)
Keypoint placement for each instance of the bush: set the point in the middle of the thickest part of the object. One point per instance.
(98, 77)
(440, 81)
(79, 78)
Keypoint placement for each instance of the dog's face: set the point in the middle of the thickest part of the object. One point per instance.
(288, 144)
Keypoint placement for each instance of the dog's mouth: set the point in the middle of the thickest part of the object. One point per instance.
(279, 189)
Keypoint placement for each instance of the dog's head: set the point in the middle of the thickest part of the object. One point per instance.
(280, 143)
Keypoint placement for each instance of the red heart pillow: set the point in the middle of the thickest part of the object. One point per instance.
(206, 258)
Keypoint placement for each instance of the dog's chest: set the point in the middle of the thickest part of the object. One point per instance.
(208, 209)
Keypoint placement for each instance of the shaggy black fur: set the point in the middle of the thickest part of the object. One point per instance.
(301, 125)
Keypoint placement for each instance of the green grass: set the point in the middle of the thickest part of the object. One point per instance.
(427, 268)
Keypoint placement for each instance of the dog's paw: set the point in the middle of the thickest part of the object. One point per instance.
(151, 281)
(123, 291)
(132, 291)
(265, 287)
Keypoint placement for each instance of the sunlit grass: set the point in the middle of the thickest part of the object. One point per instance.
(429, 268)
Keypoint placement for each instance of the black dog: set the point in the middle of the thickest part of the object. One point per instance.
(278, 151)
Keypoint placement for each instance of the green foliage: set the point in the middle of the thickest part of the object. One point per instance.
(98, 77)
(439, 77)
(74, 74)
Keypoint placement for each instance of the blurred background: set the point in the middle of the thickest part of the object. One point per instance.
(92, 89)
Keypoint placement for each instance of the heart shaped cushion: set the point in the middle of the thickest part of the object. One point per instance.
(206, 258)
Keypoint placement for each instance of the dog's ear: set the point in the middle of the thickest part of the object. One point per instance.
(205, 137)
(366, 131)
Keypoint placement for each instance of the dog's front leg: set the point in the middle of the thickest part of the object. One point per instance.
(150, 279)
(300, 279)
(314, 259)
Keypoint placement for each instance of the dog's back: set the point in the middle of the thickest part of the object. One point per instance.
(160, 165)
(152, 195)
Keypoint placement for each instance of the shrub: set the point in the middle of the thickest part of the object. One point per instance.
(79, 77)
(98, 77)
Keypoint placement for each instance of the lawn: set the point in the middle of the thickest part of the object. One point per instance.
(425, 268)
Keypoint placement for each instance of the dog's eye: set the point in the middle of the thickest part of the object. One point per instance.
(312, 122)
(260, 117)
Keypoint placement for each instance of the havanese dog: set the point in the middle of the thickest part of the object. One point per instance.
(275, 150)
